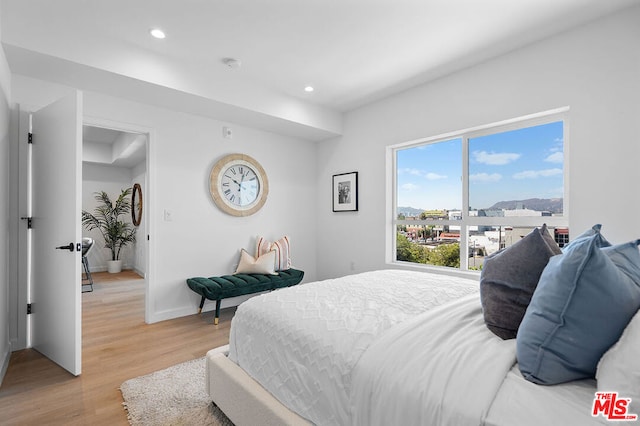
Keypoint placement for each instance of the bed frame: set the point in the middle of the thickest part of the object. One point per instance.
(241, 398)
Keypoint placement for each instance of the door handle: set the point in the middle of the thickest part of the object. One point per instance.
(70, 247)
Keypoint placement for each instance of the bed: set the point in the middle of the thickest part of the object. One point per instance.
(380, 348)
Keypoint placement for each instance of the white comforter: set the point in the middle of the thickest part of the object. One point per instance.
(302, 343)
(443, 367)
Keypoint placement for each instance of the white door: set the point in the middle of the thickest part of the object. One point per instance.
(56, 210)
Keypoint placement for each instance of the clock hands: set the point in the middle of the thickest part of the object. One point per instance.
(249, 193)
(234, 181)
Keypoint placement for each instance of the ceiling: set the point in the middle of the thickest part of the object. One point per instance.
(109, 147)
(352, 52)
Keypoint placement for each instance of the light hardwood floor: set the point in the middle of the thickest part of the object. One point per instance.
(116, 345)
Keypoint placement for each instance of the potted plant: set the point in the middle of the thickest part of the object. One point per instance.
(107, 218)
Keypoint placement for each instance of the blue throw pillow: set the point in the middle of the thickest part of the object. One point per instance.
(593, 231)
(584, 300)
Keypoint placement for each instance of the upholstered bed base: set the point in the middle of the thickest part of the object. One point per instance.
(241, 398)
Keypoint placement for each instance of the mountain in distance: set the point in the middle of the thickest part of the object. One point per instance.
(553, 205)
(409, 211)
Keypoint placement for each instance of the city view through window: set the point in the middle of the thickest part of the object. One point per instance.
(513, 181)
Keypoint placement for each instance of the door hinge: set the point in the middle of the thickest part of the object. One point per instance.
(29, 221)
(30, 138)
(28, 308)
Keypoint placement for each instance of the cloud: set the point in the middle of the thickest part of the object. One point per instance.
(495, 158)
(485, 177)
(414, 172)
(423, 174)
(434, 176)
(409, 187)
(556, 157)
(534, 174)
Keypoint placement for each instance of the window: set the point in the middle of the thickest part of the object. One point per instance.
(478, 191)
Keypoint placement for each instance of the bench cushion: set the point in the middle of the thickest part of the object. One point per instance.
(215, 288)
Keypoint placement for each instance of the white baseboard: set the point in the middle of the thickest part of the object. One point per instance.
(172, 313)
(5, 363)
(139, 272)
(190, 310)
(210, 305)
(93, 269)
(14, 345)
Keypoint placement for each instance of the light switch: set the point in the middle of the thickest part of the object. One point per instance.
(168, 215)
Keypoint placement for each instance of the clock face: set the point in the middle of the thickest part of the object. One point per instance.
(238, 185)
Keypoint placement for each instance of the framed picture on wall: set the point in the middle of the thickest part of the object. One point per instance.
(345, 192)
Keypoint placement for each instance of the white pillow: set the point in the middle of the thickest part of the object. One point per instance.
(282, 248)
(261, 265)
(619, 368)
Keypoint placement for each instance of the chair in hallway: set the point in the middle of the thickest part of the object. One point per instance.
(87, 279)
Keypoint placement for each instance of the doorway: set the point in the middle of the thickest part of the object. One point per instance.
(50, 288)
(115, 158)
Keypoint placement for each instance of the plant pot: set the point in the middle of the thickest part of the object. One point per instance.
(114, 266)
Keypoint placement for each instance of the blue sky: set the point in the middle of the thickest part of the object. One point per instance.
(514, 165)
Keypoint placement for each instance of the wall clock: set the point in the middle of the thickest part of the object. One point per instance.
(238, 185)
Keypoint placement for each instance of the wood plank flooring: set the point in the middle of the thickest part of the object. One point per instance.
(117, 345)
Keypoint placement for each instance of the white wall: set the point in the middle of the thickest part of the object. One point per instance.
(112, 180)
(201, 240)
(595, 70)
(5, 82)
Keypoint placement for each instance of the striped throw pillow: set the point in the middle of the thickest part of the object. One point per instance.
(282, 248)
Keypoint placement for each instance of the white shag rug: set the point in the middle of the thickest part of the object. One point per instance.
(173, 396)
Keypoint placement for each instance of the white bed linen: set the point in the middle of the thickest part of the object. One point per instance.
(443, 367)
(528, 404)
(302, 343)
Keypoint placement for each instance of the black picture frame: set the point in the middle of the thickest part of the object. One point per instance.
(345, 192)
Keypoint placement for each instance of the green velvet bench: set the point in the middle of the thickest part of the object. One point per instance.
(218, 288)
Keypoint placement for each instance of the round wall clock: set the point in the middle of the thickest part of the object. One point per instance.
(238, 185)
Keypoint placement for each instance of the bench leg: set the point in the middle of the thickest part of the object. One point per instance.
(215, 320)
(201, 304)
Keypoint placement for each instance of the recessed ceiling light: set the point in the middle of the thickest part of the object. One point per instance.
(157, 33)
(308, 89)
